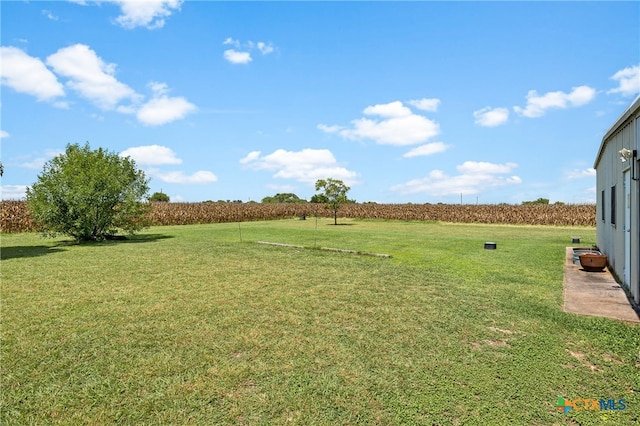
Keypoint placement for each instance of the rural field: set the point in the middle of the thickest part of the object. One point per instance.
(200, 324)
(15, 217)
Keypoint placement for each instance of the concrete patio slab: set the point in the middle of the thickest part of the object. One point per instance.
(595, 293)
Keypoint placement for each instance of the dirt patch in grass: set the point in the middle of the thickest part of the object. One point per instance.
(501, 330)
(580, 356)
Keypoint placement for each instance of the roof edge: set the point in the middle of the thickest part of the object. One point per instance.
(635, 105)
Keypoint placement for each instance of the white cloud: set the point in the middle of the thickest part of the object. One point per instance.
(427, 149)
(162, 110)
(4, 134)
(491, 117)
(481, 168)
(232, 42)
(157, 155)
(252, 156)
(158, 88)
(426, 104)
(38, 163)
(474, 178)
(397, 126)
(26, 74)
(50, 15)
(199, 177)
(265, 48)
(628, 81)
(581, 95)
(580, 174)
(329, 129)
(241, 52)
(13, 192)
(390, 110)
(538, 105)
(92, 78)
(150, 14)
(236, 57)
(151, 155)
(307, 165)
(399, 131)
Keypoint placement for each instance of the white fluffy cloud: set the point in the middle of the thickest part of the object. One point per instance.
(35, 164)
(394, 124)
(50, 15)
(491, 117)
(236, 57)
(580, 174)
(427, 149)
(199, 177)
(162, 110)
(151, 155)
(4, 134)
(474, 178)
(265, 48)
(391, 110)
(157, 155)
(537, 105)
(90, 76)
(26, 74)
(307, 165)
(39, 162)
(329, 129)
(628, 81)
(13, 192)
(150, 14)
(250, 157)
(484, 168)
(426, 104)
(241, 52)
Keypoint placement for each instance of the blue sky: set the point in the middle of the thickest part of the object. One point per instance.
(422, 102)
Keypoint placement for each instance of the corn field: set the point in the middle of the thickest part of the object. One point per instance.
(14, 215)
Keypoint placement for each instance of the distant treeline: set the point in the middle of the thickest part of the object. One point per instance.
(14, 215)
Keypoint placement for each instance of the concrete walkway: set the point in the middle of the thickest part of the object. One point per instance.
(595, 293)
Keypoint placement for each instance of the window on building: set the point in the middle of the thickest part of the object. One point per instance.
(613, 205)
(602, 206)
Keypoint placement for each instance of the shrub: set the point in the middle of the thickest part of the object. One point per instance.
(88, 194)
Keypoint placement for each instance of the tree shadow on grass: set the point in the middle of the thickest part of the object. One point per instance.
(127, 239)
(27, 251)
(35, 251)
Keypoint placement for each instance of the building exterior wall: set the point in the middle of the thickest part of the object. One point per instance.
(611, 201)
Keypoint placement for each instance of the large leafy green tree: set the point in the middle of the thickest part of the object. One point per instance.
(334, 193)
(319, 199)
(89, 194)
(159, 197)
(538, 201)
(286, 197)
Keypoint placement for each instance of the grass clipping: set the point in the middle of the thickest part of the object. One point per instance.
(363, 253)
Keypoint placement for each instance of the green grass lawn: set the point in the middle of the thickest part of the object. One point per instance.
(201, 325)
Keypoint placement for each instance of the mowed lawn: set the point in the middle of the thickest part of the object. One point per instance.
(202, 325)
